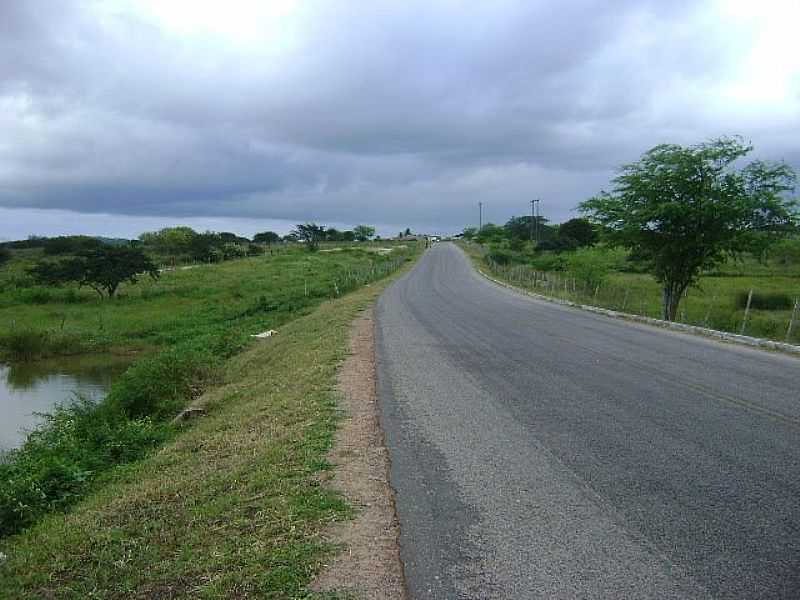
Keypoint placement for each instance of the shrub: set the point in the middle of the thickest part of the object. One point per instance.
(70, 244)
(558, 244)
(500, 256)
(159, 386)
(24, 344)
(56, 464)
(786, 252)
(232, 250)
(591, 266)
(36, 295)
(547, 261)
(517, 244)
(769, 301)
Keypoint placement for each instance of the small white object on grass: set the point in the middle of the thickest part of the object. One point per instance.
(264, 334)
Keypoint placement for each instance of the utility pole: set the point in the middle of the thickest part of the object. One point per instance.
(535, 218)
(480, 216)
(532, 219)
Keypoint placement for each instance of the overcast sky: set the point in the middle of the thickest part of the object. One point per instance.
(118, 117)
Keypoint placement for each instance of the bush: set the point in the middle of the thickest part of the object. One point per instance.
(36, 295)
(770, 301)
(159, 386)
(56, 464)
(25, 344)
(786, 252)
(233, 250)
(558, 244)
(590, 266)
(500, 256)
(70, 244)
(547, 261)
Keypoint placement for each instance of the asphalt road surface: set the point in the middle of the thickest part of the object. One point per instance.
(539, 451)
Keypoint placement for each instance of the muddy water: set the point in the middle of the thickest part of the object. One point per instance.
(28, 388)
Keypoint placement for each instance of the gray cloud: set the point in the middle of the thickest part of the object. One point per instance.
(385, 112)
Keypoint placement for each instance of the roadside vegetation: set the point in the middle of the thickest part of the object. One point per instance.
(687, 234)
(184, 327)
(231, 506)
(49, 308)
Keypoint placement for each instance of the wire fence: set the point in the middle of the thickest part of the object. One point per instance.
(704, 310)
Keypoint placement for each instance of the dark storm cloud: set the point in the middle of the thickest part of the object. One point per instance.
(388, 112)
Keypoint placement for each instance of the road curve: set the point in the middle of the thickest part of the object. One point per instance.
(539, 451)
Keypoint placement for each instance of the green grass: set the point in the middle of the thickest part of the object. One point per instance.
(258, 292)
(232, 507)
(714, 302)
(63, 460)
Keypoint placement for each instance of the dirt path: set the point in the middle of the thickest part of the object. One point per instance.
(369, 566)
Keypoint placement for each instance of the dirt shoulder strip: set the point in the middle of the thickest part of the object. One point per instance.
(368, 566)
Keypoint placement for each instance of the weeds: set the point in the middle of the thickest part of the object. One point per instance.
(718, 301)
(231, 506)
(24, 345)
(80, 442)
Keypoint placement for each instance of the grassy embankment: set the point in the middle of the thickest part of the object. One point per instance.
(716, 302)
(37, 321)
(246, 471)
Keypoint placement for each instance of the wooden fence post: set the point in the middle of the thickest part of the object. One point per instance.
(746, 311)
(791, 320)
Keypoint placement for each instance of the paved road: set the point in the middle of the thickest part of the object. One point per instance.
(542, 452)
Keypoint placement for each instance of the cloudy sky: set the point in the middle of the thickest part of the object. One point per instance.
(122, 116)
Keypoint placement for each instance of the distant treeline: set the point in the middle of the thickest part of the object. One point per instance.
(184, 243)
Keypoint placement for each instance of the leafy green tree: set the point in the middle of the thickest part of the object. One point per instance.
(172, 240)
(469, 233)
(231, 238)
(363, 232)
(266, 237)
(206, 247)
(348, 235)
(786, 252)
(407, 232)
(491, 233)
(310, 233)
(70, 244)
(5, 255)
(591, 266)
(520, 228)
(231, 250)
(580, 230)
(333, 235)
(557, 244)
(102, 269)
(683, 209)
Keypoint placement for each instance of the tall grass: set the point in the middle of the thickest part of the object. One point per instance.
(231, 507)
(24, 344)
(62, 459)
(717, 302)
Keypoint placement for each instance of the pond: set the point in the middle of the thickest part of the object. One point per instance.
(37, 387)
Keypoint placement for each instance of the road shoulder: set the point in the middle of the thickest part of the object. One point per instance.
(368, 565)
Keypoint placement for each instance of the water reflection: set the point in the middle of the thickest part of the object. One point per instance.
(36, 387)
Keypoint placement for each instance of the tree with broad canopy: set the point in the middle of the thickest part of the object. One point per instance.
(102, 269)
(683, 209)
(363, 232)
(311, 234)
